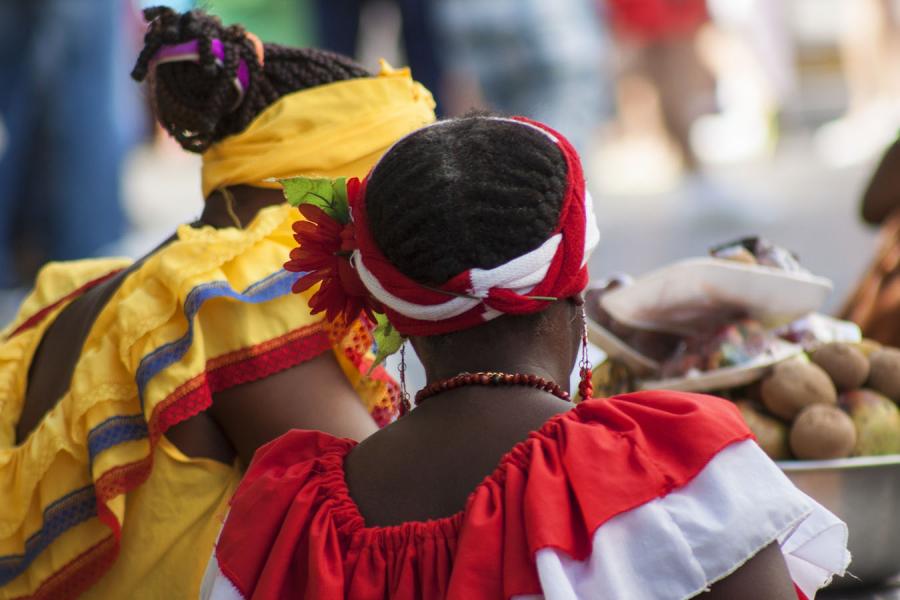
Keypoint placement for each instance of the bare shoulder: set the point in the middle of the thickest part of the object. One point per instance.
(312, 395)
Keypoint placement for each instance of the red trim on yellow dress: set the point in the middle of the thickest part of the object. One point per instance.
(241, 366)
(195, 395)
(42, 314)
(79, 574)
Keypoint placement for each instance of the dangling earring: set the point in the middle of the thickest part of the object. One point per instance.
(586, 386)
(405, 405)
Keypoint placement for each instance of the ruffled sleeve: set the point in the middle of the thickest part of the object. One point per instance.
(283, 492)
(708, 501)
(677, 545)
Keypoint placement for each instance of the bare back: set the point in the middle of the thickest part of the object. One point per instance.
(425, 465)
(60, 348)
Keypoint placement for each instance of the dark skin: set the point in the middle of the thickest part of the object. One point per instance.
(882, 196)
(400, 473)
(312, 395)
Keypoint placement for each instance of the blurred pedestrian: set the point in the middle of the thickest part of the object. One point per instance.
(875, 303)
(338, 24)
(529, 57)
(657, 39)
(68, 122)
(869, 36)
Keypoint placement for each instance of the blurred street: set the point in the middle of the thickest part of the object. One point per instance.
(794, 200)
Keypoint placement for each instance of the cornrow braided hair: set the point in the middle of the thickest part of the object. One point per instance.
(195, 103)
(466, 193)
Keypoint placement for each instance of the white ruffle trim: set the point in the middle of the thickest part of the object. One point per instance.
(676, 546)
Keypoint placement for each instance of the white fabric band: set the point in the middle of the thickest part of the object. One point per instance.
(520, 275)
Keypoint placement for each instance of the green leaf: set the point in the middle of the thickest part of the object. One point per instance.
(387, 340)
(328, 194)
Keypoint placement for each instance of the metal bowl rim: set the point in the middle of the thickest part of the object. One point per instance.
(794, 466)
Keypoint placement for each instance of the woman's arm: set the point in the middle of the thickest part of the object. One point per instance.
(763, 577)
(312, 395)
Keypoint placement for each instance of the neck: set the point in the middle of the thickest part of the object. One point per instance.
(247, 202)
(506, 345)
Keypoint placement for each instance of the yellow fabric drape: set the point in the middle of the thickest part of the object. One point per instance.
(325, 131)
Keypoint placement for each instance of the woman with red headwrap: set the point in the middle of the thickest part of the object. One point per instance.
(472, 236)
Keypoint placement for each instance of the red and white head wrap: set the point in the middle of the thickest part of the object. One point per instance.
(529, 283)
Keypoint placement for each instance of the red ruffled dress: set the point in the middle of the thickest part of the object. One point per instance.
(652, 495)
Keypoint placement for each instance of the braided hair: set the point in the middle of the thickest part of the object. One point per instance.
(195, 103)
(466, 193)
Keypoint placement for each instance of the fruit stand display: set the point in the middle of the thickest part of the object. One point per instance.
(742, 324)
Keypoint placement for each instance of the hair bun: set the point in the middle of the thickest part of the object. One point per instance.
(192, 28)
(170, 35)
(192, 98)
(197, 102)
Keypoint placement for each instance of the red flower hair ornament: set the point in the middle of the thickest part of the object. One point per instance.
(325, 248)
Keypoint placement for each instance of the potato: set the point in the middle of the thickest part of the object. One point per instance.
(877, 422)
(847, 366)
(795, 384)
(867, 346)
(884, 373)
(771, 434)
(821, 432)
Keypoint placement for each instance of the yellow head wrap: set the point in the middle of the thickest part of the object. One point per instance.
(334, 130)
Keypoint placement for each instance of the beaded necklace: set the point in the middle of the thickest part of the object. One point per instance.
(490, 378)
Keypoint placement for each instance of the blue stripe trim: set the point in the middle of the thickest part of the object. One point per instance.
(67, 512)
(120, 429)
(79, 506)
(114, 431)
(274, 286)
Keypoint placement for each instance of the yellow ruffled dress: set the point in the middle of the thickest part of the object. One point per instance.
(96, 502)
(203, 314)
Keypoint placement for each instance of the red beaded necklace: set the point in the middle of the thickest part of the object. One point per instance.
(492, 379)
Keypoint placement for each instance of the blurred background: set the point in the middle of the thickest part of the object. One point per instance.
(699, 121)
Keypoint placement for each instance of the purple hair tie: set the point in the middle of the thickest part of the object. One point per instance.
(190, 52)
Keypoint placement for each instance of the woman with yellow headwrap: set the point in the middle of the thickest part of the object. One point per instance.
(132, 392)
